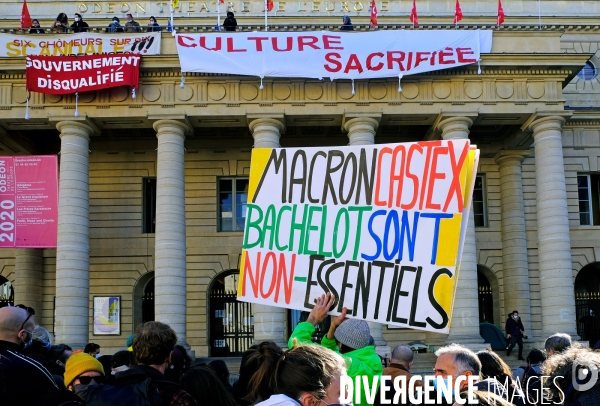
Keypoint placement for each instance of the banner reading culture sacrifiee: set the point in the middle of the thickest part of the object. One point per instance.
(336, 55)
(85, 43)
(381, 227)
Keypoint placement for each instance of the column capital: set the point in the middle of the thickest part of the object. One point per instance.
(361, 128)
(542, 124)
(76, 128)
(266, 132)
(167, 126)
(508, 156)
(455, 127)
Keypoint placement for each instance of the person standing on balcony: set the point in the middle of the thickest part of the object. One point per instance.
(79, 25)
(131, 25)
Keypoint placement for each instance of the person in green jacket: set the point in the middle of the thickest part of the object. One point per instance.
(349, 337)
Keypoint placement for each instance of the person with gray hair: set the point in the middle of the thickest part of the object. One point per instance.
(455, 360)
(41, 334)
(557, 343)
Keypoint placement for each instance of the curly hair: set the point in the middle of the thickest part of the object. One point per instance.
(559, 368)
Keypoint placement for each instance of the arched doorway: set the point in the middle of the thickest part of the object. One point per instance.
(486, 299)
(587, 302)
(231, 321)
(7, 293)
(143, 299)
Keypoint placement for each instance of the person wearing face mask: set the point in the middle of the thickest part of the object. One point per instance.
(131, 25)
(349, 337)
(92, 349)
(21, 378)
(81, 372)
(115, 25)
(79, 25)
(35, 27)
(306, 375)
(514, 332)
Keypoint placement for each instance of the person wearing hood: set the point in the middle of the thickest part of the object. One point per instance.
(346, 24)
(79, 25)
(348, 337)
(23, 380)
(306, 375)
(230, 22)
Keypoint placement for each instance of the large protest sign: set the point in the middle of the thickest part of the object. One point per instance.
(69, 74)
(84, 43)
(28, 201)
(381, 227)
(335, 55)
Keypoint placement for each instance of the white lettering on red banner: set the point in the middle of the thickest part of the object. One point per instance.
(79, 44)
(336, 55)
(28, 201)
(69, 74)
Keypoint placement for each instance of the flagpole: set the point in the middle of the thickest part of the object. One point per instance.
(172, 23)
(266, 13)
(540, 13)
(218, 16)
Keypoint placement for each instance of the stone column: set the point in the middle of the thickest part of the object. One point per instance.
(170, 249)
(554, 240)
(361, 131)
(514, 239)
(28, 281)
(465, 315)
(269, 321)
(73, 247)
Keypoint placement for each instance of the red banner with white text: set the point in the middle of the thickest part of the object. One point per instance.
(70, 74)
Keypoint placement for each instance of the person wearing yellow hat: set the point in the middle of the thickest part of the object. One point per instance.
(81, 371)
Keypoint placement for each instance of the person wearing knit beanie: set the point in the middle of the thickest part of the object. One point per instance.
(81, 371)
(353, 333)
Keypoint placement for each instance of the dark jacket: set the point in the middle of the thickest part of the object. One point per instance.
(395, 371)
(114, 26)
(36, 30)
(22, 379)
(514, 327)
(230, 23)
(170, 393)
(132, 26)
(347, 24)
(585, 398)
(79, 26)
(153, 27)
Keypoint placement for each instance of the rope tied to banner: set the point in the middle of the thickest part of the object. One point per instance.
(133, 95)
(182, 85)
(399, 83)
(76, 104)
(479, 66)
(261, 84)
(27, 105)
(353, 87)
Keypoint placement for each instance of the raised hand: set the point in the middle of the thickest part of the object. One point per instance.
(322, 306)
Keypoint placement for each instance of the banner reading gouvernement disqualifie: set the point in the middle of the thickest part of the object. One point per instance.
(84, 43)
(28, 201)
(335, 55)
(380, 227)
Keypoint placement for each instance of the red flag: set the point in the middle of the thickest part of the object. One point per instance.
(413, 14)
(373, 14)
(500, 19)
(270, 5)
(457, 13)
(222, 1)
(25, 16)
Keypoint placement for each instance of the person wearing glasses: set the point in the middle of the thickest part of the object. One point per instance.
(83, 370)
(20, 375)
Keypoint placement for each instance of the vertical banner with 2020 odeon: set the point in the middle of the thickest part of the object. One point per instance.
(28, 201)
(381, 227)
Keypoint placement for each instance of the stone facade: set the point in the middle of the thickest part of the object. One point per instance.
(536, 122)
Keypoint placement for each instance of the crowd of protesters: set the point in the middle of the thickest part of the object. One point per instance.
(61, 24)
(154, 370)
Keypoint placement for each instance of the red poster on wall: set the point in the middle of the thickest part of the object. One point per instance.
(28, 201)
(70, 74)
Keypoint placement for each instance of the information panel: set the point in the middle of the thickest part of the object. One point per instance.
(28, 201)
